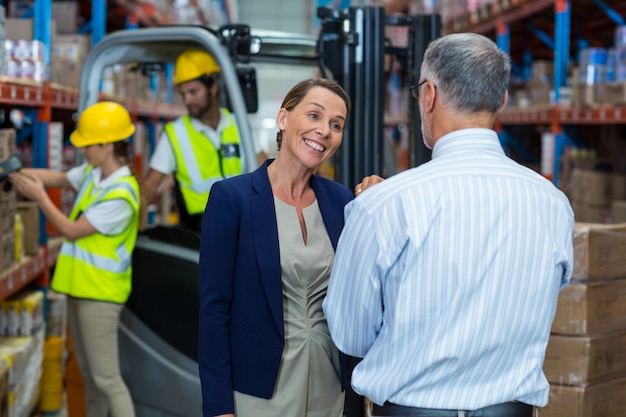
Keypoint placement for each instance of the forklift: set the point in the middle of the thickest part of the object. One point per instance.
(158, 331)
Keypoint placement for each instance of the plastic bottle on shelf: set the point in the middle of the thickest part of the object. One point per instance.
(19, 238)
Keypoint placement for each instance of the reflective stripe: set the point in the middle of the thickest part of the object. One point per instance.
(197, 183)
(118, 186)
(101, 262)
(87, 179)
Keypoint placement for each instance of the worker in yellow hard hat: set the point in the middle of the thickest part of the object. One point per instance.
(94, 263)
(201, 147)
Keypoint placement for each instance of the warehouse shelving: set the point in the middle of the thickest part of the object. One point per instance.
(44, 98)
(596, 18)
(30, 269)
(565, 116)
(20, 93)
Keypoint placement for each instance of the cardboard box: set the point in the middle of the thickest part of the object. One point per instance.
(4, 391)
(573, 360)
(598, 400)
(16, 29)
(7, 215)
(591, 308)
(67, 57)
(29, 212)
(591, 187)
(618, 211)
(8, 197)
(616, 92)
(7, 143)
(618, 187)
(7, 251)
(65, 14)
(589, 213)
(599, 251)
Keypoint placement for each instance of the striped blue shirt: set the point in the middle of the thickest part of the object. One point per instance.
(446, 279)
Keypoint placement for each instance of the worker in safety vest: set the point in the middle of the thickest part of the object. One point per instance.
(94, 264)
(201, 147)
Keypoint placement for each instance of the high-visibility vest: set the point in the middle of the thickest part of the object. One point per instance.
(198, 163)
(98, 267)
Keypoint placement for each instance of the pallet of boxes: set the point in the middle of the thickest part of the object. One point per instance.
(586, 355)
(8, 197)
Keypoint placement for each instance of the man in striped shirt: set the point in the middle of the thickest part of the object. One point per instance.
(446, 276)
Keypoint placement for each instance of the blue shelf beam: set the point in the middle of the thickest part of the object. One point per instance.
(503, 37)
(610, 12)
(98, 20)
(541, 35)
(561, 45)
(42, 32)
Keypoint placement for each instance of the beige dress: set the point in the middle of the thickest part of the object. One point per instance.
(308, 382)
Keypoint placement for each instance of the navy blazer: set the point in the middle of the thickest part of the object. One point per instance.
(241, 333)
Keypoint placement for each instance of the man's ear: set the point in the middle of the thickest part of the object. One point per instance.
(215, 88)
(430, 94)
(504, 101)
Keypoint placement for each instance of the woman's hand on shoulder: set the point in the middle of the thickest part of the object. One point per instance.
(366, 183)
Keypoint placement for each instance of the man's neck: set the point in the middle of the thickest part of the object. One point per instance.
(211, 118)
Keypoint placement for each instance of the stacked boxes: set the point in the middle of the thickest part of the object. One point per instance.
(586, 355)
(4, 391)
(7, 204)
(595, 188)
(23, 358)
(68, 54)
(22, 314)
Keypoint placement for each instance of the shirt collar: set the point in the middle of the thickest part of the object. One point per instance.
(474, 139)
(123, 171)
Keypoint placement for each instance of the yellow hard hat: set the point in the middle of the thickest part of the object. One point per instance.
(103, 122)
(192, 64)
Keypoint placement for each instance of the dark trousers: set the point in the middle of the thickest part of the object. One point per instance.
(509, 409)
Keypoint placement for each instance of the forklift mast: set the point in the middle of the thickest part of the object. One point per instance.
(352, 48)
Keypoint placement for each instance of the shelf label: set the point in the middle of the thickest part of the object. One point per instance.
(13, 91)
(10, 282)
(26, 93)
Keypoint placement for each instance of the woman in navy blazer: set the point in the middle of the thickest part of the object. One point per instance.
(244, 354)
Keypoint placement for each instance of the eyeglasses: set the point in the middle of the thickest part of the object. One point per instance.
(415, 90)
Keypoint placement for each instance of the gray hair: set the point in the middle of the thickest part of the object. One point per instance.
(469, 70)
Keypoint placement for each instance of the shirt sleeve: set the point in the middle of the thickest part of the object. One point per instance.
(163, 159)
(110, 217)
(353, 303)
(215, 285)
(75, 175)
(568, 249)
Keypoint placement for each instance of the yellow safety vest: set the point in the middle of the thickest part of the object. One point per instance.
(98, 267)
(198, 163)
